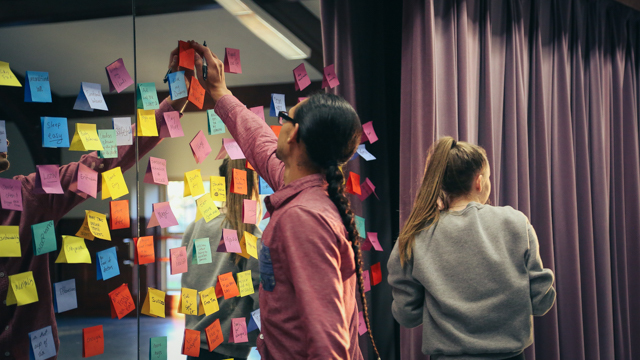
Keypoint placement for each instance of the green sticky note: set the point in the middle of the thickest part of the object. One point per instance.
(147, 96)
(109, 139)
(158, 348)
(360, 226)
(201, 251)
(44, 237)
(216, 126)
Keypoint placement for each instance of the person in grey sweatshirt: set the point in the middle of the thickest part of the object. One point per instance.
(204, 276)
(469, 272)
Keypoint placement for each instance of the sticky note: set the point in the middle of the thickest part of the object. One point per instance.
(85, 181)
(10, 241)
(214, 335)
(207, 208)
(258, 110)
(249, 166)
(11, 194)
(200, 147)
(171, 126)
(108, 140)
(90, 98)
(193, 183)
(121, 301)
(264, 188)
(92, 341)
(276, 129)
(84, 231)
(7, 78)
(85, 138)
(216, 126)
(229, 242)
(368, 134)
(196, 92)
(362, 151)
(22, 289)
(232, 61)
(353, 184)
(239, 182)
(218, 188)
(191, 343)
(48, 180)
(42, 344)
(118, 76)
(371, 241)
(366, 281)
(249, 245)
(277, 104)
(36, 87)
(249, 211)
(3, 136)
(153, 303)
(329, 77)
(233, 149)
(119, 214)
(158, 348)
(360, 226)
(44, 237)
(209, 301)
(113, 185)
(362, 325)
(201, 251)
(245, 283)
(367, 188)
(254, 321)
(186, 55)
(376, 274)
(147, 123)
(301, 99)
(122, 126)
(107, 264)
(188, 302)
(147, 96)
(238, 331)
(144, 252)
(162, 215)
(177, 85)
(65, 296)
(228, 285)
(178, 260)
(301, 77)
(98, 224)
(74, 251)
(55, 133)
(156, 172)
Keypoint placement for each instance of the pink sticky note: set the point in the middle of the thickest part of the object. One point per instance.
(238, 331)
(171, 127)
(329, 78)
(200, 147)
(233, 149)
(362, 325)
(266, 215)
(11, 194)
(86, 183)
(232, 61)
(366, 280)
(178, 260)
(156, 172)
(249, 211)
(222, 154)
(119, 78)
(258, 110)
(162, 215)
(368, 134)
(301, 77)
(367, 188)
(372, 240)
(301, 99)
(229, 242)
(48, 180)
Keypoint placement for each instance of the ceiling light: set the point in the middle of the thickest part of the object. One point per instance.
(235, 7)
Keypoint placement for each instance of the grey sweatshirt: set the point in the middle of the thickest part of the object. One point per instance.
(204, 276)
(474, 282)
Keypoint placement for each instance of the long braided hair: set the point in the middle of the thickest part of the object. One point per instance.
(330, 130)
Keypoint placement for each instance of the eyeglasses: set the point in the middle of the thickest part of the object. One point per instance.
(285, 115)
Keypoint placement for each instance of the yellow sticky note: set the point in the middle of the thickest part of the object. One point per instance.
(6, 76)
(154, 303)
(193, 183)
(84, 231)
(250, 244)
(74, 251)
(147, 123)
(188, 302)
(10, 241)
(86, 138)
(98, 224)
(208, 301)
(113, 185)
(207, 208)
(245, 284)
(22, 289)
(218, 188)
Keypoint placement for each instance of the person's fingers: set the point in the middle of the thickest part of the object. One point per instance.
(204, 52)
(199, 70)
(173, 65)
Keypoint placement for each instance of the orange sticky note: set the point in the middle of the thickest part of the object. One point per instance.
(276, 129)
(353, 184)
(191, 343)
(376, 274)
(121, 301)
(196, 93)
(239, 182)
(92, 341)
(228, 285)
(186, 55)
(214, 335)
(248, 166)
(144, 252)
(119, 214)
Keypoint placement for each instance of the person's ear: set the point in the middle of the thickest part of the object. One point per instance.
(478, 182)
(293, 135)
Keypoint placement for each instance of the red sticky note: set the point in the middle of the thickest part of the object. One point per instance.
(367, 188)
(366, 281)
(144, 252)
(191, 343)
(368, 134)
(162, 215)
(376, 274)
(196, 93)
(353, 184)
(362, 325)
(229, 242)
(372, 240)
(301, 77)
(239, 182)
(11, 194)
(48, 180)
(156, 172)
(248, 166)
(119, 78)
(228, 285)
(238, 331)
(258, 110)
(200, 147)
(249, 211)
(233, 149)
(214, 335)
(186, 55)
(329, 77)
(276, 129)
(86, 182)
(119, 214)
(92, 341)
(232, 61)
(171, 126)
(219, 292)
(121, 301)
(178, 260)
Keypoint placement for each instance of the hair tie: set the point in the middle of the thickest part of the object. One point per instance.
(454, 143)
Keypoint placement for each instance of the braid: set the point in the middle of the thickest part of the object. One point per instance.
(335, 178)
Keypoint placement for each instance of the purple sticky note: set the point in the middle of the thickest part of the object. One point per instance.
(366, 280)
(238, 331)
(301, 77)
(233, 149)
(178, 260)
(156, 172)
(372, 240)
(329, 77)
(229, 242)
(162, 215)
(362, 326)
(258, 110)
(119, 78)
(86, 182)
(171, 127)
(11, 194)
(200, 147)
(368, 134)
(48, 180)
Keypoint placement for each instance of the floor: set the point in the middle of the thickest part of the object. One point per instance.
(120, 337)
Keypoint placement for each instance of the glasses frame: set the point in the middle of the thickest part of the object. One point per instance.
(285, 115)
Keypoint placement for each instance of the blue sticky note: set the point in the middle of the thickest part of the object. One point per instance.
(277, 104)
(42, 345)
(254, 321)
(36, 87)
(55, 133)
(158, 348)
(3, 136)
(107, 264)
(216, 126)
(177, 85)
(65, 296)
(44, 238)
(147, 96)
(360, 227)
(264, 189)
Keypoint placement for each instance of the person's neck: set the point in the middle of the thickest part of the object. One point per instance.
(295, 172)
(461, 203)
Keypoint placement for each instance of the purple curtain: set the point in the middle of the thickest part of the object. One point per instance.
(551, 90)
